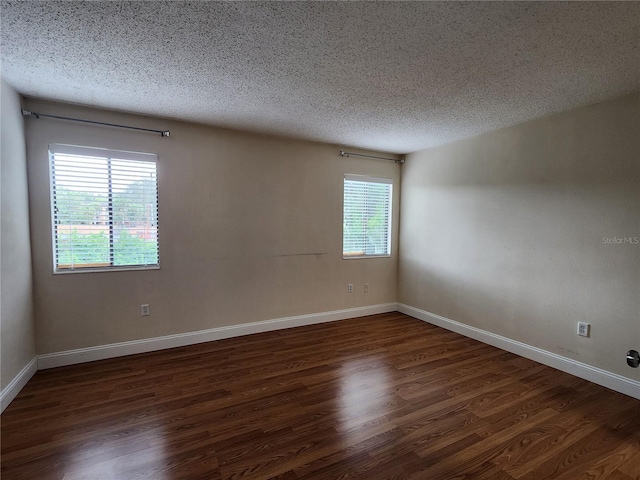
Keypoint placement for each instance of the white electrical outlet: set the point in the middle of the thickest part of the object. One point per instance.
(350, 288)
(584, 329)
(144, 310)
(366, 288)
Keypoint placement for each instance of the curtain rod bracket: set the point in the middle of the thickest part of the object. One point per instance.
(27, 113)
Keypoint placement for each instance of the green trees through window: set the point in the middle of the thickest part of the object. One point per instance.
(366, 216)
(105, 209)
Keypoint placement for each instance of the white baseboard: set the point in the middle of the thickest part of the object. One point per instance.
(100, 352)
(19, 381)
(593, 374)
(596, 375)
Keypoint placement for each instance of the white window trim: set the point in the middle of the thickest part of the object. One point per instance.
(90, 152)
(370, 179)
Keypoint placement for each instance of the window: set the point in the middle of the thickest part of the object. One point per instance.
(367, 217)
(104, 209)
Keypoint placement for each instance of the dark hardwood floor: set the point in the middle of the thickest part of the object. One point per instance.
(380, 397)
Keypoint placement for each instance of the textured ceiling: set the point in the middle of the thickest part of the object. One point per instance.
(395, 76)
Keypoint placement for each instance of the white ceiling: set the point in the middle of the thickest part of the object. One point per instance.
(395, 76)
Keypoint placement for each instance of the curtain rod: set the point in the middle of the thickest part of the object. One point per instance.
(351, 154)
(27, 113)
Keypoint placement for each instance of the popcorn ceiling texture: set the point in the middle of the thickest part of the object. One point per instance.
(396, 76)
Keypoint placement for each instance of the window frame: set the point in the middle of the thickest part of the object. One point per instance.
(109, 154)
(370, 179)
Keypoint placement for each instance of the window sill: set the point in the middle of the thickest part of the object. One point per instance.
(128, 268)
(358, 257)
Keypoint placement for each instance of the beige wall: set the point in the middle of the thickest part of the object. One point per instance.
(16, 310)
(250, 230)
(504, 232)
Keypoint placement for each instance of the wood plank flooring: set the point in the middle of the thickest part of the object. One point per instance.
(379, 397)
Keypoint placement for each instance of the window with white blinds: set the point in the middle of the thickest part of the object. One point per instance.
(367, 216)
(104, 209)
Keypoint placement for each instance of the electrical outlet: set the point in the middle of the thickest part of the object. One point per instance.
(350, 288)
(584, 329)
(144, 310)
(366, 288)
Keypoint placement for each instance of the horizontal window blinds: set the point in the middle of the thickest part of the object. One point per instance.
(104, 208)
(367, 216)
